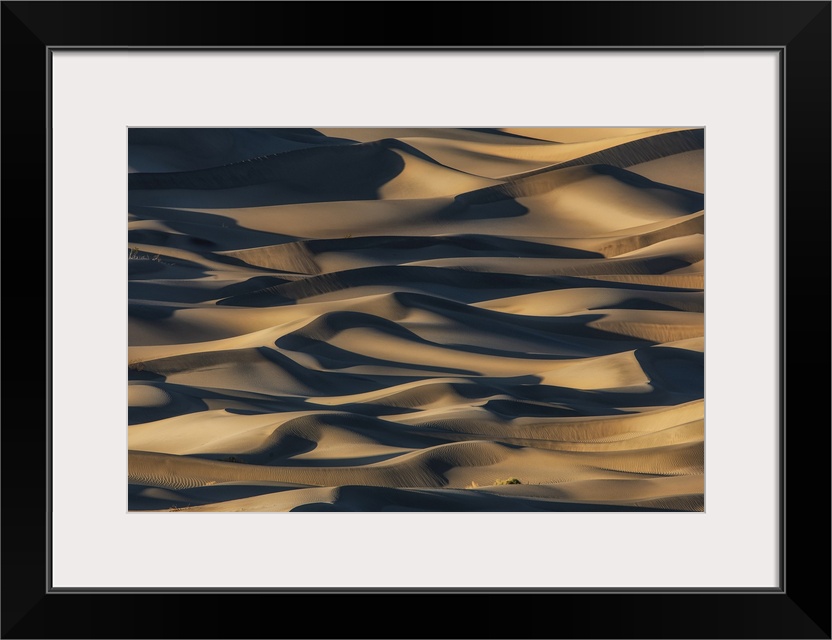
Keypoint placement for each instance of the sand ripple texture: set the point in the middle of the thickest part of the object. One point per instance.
(416, 319)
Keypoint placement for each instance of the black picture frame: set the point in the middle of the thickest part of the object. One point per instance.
(799, 608)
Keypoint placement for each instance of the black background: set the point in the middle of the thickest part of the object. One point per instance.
(801, 609)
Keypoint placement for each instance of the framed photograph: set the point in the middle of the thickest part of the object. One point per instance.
(470, 308)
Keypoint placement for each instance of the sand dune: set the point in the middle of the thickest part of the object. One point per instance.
(159, 150)
(416, 319)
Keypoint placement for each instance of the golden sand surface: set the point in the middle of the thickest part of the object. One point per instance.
(416, 319)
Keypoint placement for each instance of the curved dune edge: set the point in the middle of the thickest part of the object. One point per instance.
(416, 320)
(364, 499)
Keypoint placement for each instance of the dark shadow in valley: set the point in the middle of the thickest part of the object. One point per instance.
(325, 383)
(638, 151)
(177, 404)
(331, 357)
(453, 246)
(175, 292)
(506, 134)
(149, 312)
(563, 337)
(375, 499)
(301, 435)
(678, 371)
(141, 497)
(595, 402)
(198, 231)
(541, 328)
(482, 204)
(693, 200)
(456, 285)
(320, 174)
(258, 284)
(512, 409)
(638, 304)
(151, 266)
(182, 149)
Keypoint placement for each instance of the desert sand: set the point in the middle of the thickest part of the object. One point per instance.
(416, 319)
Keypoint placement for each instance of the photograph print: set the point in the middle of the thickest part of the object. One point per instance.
(416, 319)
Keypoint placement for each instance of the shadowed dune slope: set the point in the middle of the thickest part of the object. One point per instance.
(410, 319)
